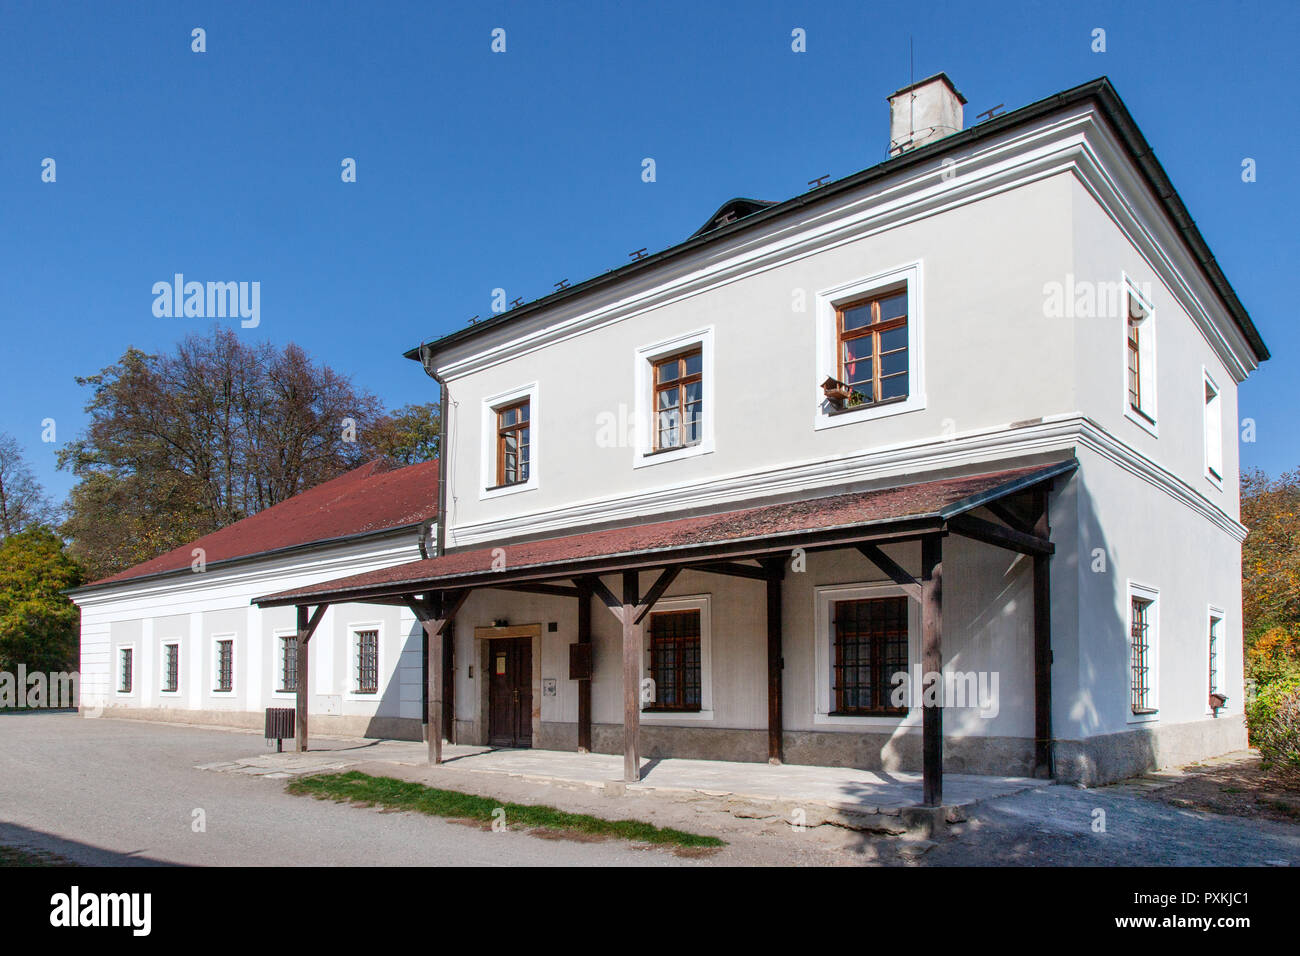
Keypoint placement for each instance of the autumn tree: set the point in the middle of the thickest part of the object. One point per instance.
(184, 443)
(38, 624)
(409, 434)
(23, 503)
(1270, 570)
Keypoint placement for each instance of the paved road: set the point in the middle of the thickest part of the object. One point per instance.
(119, 792)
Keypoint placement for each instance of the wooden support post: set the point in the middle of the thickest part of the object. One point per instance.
(633, 632)
(303, 676)
(1044, 759)
(584, 686)
(435, 613)
(932, 664)
(775, 568)
(307, 625)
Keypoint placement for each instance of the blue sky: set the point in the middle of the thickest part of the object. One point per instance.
(477, 170)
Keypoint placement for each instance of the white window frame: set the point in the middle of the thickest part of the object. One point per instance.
(687, 602)
(1215, 614)
(1135, 590)
(823, 598)
(1147, 359)
(644, 453)
(488, 487)
(162, 668)
(215, 670)
(277, 655)
(828, 365)
(1212, 418)
(354, 673)
(117, 670)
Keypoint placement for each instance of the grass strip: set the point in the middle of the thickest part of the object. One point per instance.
(356, 787)
(20, 856)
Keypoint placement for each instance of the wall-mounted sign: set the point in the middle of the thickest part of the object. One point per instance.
(548, 687)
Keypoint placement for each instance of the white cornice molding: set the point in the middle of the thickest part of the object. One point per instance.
(993, 447)
(1077, 141)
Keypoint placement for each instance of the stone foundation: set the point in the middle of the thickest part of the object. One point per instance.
(1106, 758)
(390, 728)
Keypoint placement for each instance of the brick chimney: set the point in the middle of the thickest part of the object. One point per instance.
(923, 112)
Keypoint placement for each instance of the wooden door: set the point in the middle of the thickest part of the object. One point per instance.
(510, 692)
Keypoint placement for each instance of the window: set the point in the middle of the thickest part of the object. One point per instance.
(225, 682)
(675, 660)
(171, 668)
(869, 644)
(869, 364)
(1213, 432)
(872, 348)
(679, 400)
(513, 444)
(1139, 359)
(1141, 654)
(367, 662)
(289, 664)
(125, 669)
(1215, 648)
(673, 381)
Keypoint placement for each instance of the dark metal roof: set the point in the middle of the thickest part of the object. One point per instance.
(766, 529)
(1099, 90)
(733, 210)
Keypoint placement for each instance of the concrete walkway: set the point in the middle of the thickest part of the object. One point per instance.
(841, 792)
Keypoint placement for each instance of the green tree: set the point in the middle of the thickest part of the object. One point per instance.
(409, 434)
(1270, 573)
(39, 626)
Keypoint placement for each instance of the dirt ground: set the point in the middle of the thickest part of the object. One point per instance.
(1237, 785)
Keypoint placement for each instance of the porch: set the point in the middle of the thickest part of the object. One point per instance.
(1005, 512)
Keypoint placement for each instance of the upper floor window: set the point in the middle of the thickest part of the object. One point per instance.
(679, 400)
(1213, 431)
(872, 344)
(1139, 360)
(513, 444)
(869, 339)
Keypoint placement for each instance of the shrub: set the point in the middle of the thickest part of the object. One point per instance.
(1273, 721)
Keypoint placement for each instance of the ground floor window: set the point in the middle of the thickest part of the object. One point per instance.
(675, 659)
(171, 675)
(289, 664)
(869, 646)
(225, 666)
(1141, 654)
(125, 672)
(367, 656)
(1216, 628)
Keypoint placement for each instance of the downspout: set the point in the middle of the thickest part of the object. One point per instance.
(426, 361)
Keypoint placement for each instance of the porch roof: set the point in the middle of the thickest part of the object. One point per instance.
(834, 521)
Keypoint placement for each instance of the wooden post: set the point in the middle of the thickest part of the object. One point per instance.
(304, 637)
(435, 613)
(633, 631)
(775, 731)
(584, 686)
(932, 664)
(1043, 756)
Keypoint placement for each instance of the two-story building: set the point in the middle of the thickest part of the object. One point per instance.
(931, 467)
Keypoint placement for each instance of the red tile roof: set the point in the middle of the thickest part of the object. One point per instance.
(938, 500)
(378, 496)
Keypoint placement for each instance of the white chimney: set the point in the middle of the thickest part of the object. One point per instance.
(923, 112)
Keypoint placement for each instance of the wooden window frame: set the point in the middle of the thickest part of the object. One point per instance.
(881, 686)
(874, 329)
(679, 383)
(1140, 361)
(505, 430)
(1214, 444)
(681, 665)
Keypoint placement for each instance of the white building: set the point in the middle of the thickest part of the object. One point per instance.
(971, 410)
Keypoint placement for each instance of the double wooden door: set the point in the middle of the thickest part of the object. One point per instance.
(510, 692)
